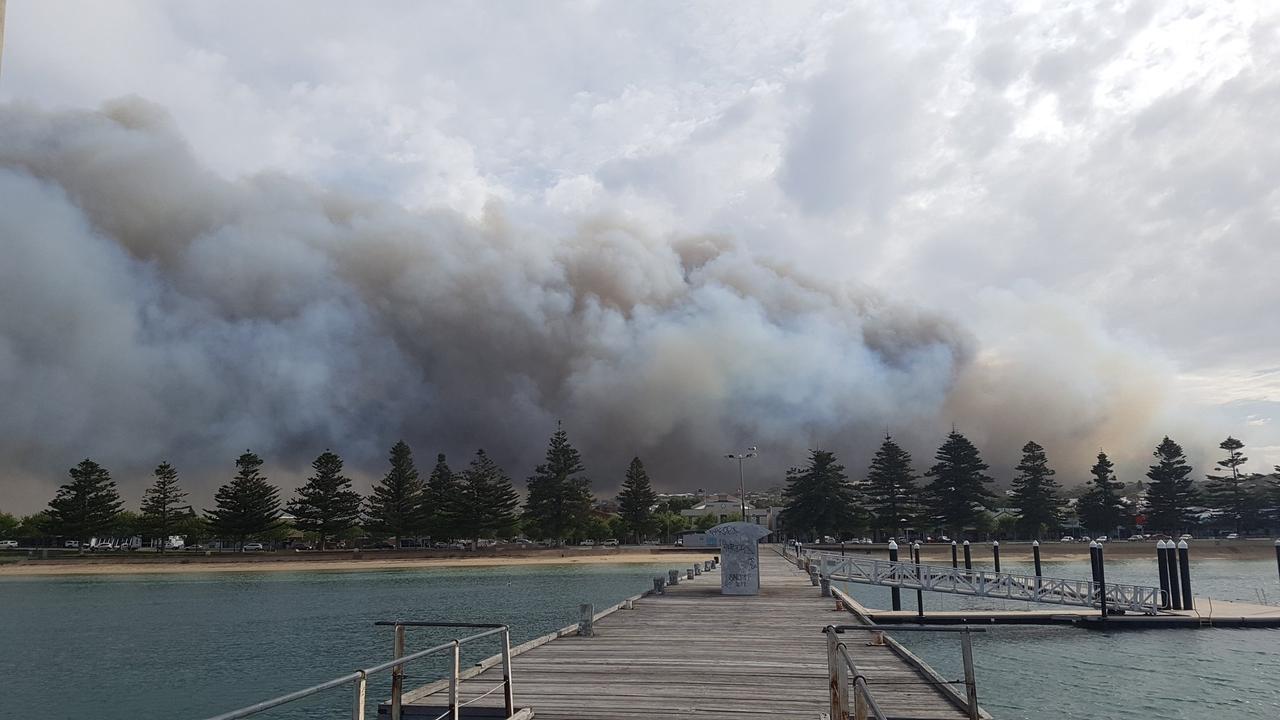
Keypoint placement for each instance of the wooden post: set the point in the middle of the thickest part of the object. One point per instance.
(813, 577)
(1171, 561)
(658, 584)
(697, 569)
(688, 574)
(397, 673)
(455, 706)
(587, 620)
(995, 553)
(1102, 582)
(1162, 563)
(1184, 567)
(970, 681)
(628, 604)
(837, 679)
(895, 592)
(673, 577)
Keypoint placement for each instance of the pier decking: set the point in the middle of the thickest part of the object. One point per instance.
(692, 652)
(1208, 613)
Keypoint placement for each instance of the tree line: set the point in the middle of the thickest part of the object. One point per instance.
(474, 503)
(954, 495)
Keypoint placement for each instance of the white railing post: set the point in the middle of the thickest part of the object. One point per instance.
(357, 699)
(508, 690)
(455, 707)
(970, 681)
(397, 673)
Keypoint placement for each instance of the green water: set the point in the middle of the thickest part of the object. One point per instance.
(1026, 672)
(193, 645)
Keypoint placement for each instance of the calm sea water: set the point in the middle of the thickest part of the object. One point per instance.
(1066, 672)
(189, 646)
(193, 645)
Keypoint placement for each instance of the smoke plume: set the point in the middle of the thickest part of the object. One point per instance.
(151, 310)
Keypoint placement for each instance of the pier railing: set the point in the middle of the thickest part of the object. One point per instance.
(983, 583)
(359, 680)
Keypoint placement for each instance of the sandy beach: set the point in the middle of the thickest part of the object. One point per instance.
(275, 563)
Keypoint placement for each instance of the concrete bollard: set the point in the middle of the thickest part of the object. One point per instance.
(697, 569)
(813, 577)
(825, 584)
(688, 574)
(995, 553)
(628, 604)
(659, 585)
(716, 559)
(586, 620)
(706, 566)
(673, 577)
(1184, 569)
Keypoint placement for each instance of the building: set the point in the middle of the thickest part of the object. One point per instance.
(724, 507)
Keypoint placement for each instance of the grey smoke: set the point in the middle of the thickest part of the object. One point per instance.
(151, 310)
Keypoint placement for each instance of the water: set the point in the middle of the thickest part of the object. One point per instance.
(1058, 671)
(131, 647)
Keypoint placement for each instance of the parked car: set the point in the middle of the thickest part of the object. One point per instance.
(1102, 539)
(103, 546)
(587, 543)
(1184, 536)
(252, 547)
(1067, 538)
(1230, 536)
(1137, 538)
(71, 544)
(611, 542)
(8, 544)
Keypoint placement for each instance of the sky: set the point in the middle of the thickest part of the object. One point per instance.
(680, 229)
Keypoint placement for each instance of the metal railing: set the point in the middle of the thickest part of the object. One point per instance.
(983, 583)
(360, 678)
(842, 673)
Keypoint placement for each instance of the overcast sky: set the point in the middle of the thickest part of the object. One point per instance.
(1087, 191)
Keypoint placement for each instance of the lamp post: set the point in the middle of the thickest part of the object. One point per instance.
(742, 488)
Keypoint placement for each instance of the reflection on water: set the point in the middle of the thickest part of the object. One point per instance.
(1061, 672)
(188, 645)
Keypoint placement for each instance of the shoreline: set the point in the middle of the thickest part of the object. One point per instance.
(224, 564)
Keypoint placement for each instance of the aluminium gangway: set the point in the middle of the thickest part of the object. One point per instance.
(985, 583)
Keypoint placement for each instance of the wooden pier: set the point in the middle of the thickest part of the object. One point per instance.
(692, 652)
(1208, 613)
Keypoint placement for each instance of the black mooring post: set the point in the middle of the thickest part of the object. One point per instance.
(1093, 563)
(1278, 556)
(1102, 582)
(1171, 562)
(1163, 562)
(995, 553)
(915, 552)
(841, 548)
(1184, 568)
(1035, 555)
(895, 593)
(968, 558)
(955, 563)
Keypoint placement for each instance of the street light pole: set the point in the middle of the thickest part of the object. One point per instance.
(742, 487)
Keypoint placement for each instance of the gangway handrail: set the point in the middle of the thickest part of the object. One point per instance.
(396, 664)
(986, 583)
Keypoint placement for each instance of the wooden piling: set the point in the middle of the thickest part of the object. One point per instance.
(673, 577)
(586, 620)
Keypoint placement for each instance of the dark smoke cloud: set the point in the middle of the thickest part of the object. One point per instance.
(151, 310)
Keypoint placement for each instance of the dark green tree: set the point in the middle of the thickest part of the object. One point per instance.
(819, 498)
(248, 506)
(890, 488)
(442, 485)
(326, 504)
(9, 524)
(396, 505)
(87, 506)
(1170, 494)
(957, 492)
(1101, 508)
(559, 501)
(162, 508)
(636, 501)
(1035, 493)
(1234, 495)
(484, 503)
